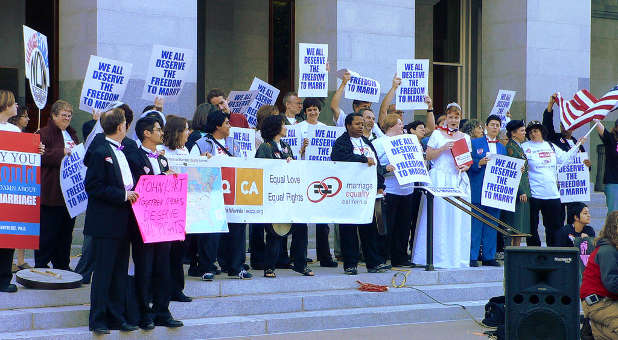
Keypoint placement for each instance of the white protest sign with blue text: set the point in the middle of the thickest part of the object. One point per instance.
(168, 71)
(313, 77)
(245, 139)
(321, 139)
(502, 105)
(574, 180)
(105, 83)
(36, 68)
(361, 88)
(501, 182)
(267, 94)
(72, 176)
(239, 102)
(293, 139)
(405, 153)
(414, 74)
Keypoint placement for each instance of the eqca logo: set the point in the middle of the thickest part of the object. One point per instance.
(242, 186)
(317, 191)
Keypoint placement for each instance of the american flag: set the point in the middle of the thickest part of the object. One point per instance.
(584, 107)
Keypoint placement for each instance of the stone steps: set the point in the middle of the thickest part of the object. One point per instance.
(276, 323)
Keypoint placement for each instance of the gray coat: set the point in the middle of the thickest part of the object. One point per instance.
(207, 144)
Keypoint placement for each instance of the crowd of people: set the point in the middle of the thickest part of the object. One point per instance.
(115, 163)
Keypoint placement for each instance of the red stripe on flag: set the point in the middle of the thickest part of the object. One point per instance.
(579, 104)
(590, 96)
(18, 141)
(19, 241)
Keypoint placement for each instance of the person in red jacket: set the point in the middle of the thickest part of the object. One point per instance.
(599, 290)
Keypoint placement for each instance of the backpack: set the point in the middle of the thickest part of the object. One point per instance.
(495, 316)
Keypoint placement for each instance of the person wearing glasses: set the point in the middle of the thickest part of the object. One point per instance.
(56, 223)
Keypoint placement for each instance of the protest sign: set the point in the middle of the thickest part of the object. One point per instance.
(72, 176)
(405, 153)
(276, 191)
(414, 74)
(168, 71)
(501, 182)
(313, 77)
(574, 180)
(245, 139)
(20, 190)
(105, 83)
(445, 191)
(36, 65)
(502, 105)
(321, 139)
(240, 102)
(361, 88)
(293, 139)
(267, 94)
(161, 209)
(205, 209)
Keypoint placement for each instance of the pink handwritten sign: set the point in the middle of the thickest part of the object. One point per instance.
(161, 209)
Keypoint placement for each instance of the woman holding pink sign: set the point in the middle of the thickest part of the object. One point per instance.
(451, 240)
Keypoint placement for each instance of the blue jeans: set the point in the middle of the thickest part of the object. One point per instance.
(611, 197)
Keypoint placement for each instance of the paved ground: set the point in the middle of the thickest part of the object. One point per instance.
(448, 330)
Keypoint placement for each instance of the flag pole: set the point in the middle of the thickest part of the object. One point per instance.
(39, 121)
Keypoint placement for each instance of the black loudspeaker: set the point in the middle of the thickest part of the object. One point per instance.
(542, 293)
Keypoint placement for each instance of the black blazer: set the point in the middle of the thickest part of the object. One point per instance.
(129, 144)
(108, 212)
(343, 151)
(139, 162)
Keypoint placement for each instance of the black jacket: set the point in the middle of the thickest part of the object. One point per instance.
(193, 137)
(139, 162)
(108, 212)
(270, 150)
(129, 144)
(343, 151)
(556, 137)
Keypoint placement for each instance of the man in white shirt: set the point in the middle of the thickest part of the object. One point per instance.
(293, 108)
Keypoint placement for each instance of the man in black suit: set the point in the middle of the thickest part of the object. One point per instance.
(152, 281)
(108, 184)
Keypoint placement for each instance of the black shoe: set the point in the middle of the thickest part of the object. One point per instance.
(242, 275)
(384, 267)
(147, 325)
(101, 330)
(11, 288)
(219, 271)
(474, 263)
(245, 266)
(491, 263)
(126, 327)
(180, 297)
(351, 271)
(329, 263)
(309, 260)
(171, 323)
(208, 277)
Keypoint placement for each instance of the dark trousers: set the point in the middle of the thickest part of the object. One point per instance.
(85, 266)
(482, 234)
(416, 204)
(207, 250)
(258, 246)
(109, 284)
(152, 279)
(55, 238)
(298, 251)
(398, 218)
(6, 265)
(349, 234)
(190, 255)
(551, 220)
(177, 272)
(232, 248)
(322, 246)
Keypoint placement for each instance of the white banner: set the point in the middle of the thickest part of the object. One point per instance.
(168, 71)
(414, 74)
(502, 105)
(245, 139)
(501, 182)
(405, 153)
(313, 77)
(361, 88)
(72, 176)
(267, 94)
(240, 102)
(574, 180)
(293, 139)
(276, 191)
(321, 139)
(36, 65)
(105, 83)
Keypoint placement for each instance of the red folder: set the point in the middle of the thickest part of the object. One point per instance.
(461, 153)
